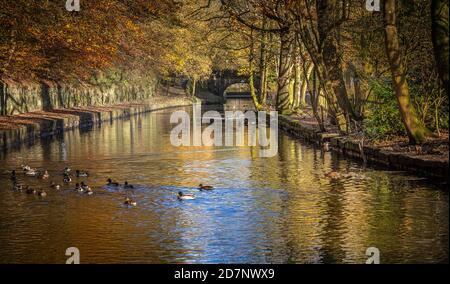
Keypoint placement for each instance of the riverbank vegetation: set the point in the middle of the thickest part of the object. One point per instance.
(376, 74)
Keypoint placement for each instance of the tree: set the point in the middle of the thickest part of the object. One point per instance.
(440, 34)
(416, 131)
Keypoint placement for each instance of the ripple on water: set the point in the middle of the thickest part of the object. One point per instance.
(263, 210)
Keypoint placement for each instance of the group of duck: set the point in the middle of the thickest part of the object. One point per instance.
(30, 172)
(81, 187)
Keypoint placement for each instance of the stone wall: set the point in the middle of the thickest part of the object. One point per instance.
(18, 98)
(429, 166)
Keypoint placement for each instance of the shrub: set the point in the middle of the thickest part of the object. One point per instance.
(383, 118)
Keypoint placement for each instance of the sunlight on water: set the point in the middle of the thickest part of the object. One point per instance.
(263, 210)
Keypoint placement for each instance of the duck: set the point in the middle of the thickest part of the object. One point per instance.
(41, 193)
(129, 202)
(30, 191)
(353, 175)
(85, 187)
(89, 191)
(67, 179)
(25, 168)
(333, 175)
(46, 175)
(78, 188)
(111, 183)
(66, 171)
(32, 173)
(205, 187)
(81, 173)
(126, 185)
(17, 187)
(55, 186)
(183, 196)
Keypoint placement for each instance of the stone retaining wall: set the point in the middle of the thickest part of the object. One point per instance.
(426, 165)
(18, 98)
(28, 126)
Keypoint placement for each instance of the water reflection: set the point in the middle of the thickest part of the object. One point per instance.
(264, 210)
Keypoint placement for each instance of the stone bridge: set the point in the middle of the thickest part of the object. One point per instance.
(220, 80)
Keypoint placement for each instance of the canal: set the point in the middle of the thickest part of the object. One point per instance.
(282, 209)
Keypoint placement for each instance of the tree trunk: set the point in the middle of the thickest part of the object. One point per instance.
(328, 13)
(297, 79)
(315, 101)
(416, 131)
(194, 87)
(263, 66)
(305, 79)
(3, 96)
(251, 77)
(284, 74)
(439, 29)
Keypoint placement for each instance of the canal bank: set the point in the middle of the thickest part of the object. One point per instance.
(25, 127)
(429, 165)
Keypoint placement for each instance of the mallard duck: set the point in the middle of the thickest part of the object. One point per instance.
(78, 188)
(111, 183)
(32, 173)
(89, 191)
(46, 175)
(333, 175)
(85, 186)
(183, 196)
(81, 173)
(67, 179)
(55, 186)
(17, 187)
(30, 191)
(25, 168)
(129, 202)
(66, 171)
(205, 187)
(126, 185)
(41, 193)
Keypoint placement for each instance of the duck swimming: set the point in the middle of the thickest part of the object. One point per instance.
(66, 171)
(81, 173)
(126, 185)
(55, 186)
(30, 191)
(111, 183)
(333, 175)
(32, 173)
(41, 193)
(78, 188)
(129, 202)
(17, 187)
(183, 196)
(67, 179)
(26, 168)
(205, 187)
(46, 175)
(86, 188)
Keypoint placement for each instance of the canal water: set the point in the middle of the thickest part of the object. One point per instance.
(282, 209)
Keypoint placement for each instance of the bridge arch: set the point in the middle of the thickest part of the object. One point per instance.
(221, 80)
